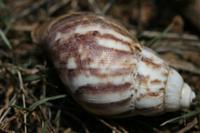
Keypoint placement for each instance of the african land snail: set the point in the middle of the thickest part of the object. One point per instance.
(107, 71)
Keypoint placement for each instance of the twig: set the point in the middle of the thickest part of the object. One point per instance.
(188, 126)
(57, 121)
(108, 6)
(47, 120)
(25, 13)
(123, 129)
(44, 100)
(158, 38)
(172, 40)
(77, 120)
(4, 38)
(6, 123)
(184, 116)
(21, 85)
(187, 45)
(44, 127)
(169, 35)
(57, 6)
(22, 27)
(44, 110)
(192, 12)
(37, 104)
(113, 128)
(10, 90)
(175, 43)
(95, 6)
(44, 116)
(31, 9)
(12, 102)
(183, 65)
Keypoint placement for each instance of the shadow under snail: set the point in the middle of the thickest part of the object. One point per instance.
(107, 71)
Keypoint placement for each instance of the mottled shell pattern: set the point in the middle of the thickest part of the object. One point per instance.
(107, 71)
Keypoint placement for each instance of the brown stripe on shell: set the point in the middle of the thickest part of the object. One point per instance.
(68, 19)
(149, 93)
(68, 29)
(143, 80)
(101, 108)
(53, 24)
(112, 22)
(102, 88)
(97, 72)
(62, 20)
(150, 110)
(150, 62)
(96, 34)
(152, 94)
(115, 23)
(165, 74)
(94, 53)
(77, 39)
(111, 37)
(90, 20)
(156, 81)
(71, 22)
(70, 48)
(156, 109)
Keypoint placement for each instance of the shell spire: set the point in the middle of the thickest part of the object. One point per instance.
(107, 71)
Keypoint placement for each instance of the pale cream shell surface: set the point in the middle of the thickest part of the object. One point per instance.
(107, 71)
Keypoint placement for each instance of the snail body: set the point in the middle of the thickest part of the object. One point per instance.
(107, 71)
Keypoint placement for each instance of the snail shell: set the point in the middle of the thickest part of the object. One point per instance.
(107, 71)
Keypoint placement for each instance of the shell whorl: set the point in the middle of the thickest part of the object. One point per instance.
(107, 71)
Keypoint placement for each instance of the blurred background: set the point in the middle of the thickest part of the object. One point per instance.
(32, 98)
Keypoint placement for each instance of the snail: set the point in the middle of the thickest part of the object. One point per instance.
(107, 71)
